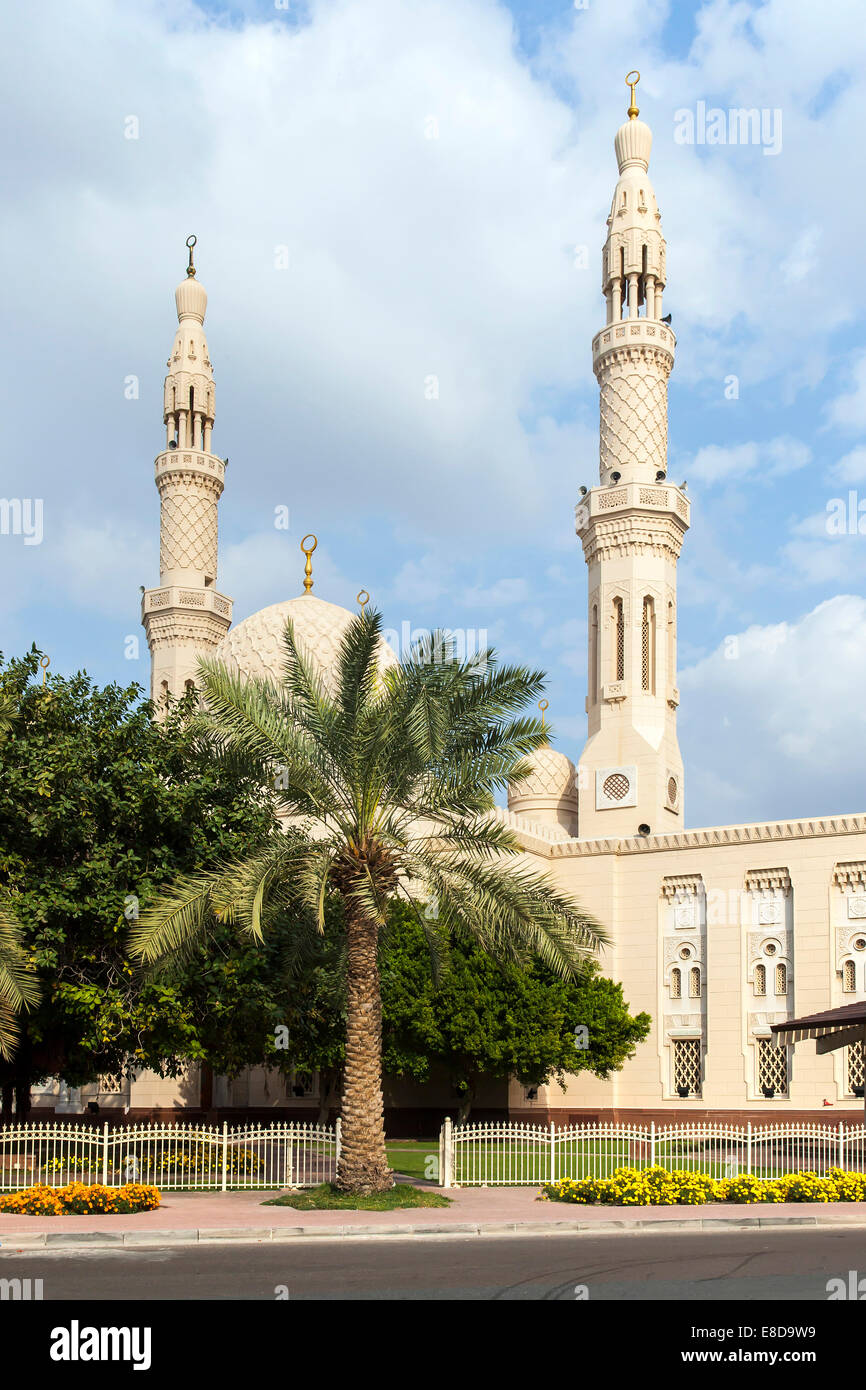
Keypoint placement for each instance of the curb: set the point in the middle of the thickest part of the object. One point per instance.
(51, 1240)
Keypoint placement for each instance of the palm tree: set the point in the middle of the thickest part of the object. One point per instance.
(389, 773)
(19, 987)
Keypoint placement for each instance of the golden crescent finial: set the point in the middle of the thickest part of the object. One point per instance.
(308, 567)
(631, 81)
(543, 705)
(45, 663)
(190, 241)
(363, 598)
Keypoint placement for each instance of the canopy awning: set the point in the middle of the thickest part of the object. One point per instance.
(836, 1027)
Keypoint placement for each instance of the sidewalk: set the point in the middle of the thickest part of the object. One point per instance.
(187, 1217)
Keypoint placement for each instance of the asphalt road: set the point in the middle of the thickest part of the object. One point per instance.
(760, 1266)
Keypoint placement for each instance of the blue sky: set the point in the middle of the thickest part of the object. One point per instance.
(431, 171)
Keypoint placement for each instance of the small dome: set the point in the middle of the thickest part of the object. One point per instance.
(191, 299)
(633, 143)
(549, 793)
(256, 645)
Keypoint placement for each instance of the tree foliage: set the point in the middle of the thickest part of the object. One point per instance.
(100, 807)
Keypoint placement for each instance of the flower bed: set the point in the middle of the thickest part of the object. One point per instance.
(195, 1161)
(648, 1187)
(81, 1199)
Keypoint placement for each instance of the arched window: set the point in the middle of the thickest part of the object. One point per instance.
(672, 645)
(593, 656)
(618, 641)
(781, 978)
(695, 982)
(648, 655)
(676, 983)
(760, 979)
(849, 983)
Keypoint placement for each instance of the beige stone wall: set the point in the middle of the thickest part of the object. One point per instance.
(773, 884)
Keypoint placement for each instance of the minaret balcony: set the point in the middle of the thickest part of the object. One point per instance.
(630, 498)
(190, 461)
(634, 333)
(189, 598)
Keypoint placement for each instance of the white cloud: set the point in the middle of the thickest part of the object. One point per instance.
(774, 725)
(503, 592)
(771, 459)
(851, 468)
(847, 411)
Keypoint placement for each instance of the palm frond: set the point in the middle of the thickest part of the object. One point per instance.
(19, 984)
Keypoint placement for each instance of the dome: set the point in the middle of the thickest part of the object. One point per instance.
(256, 645)
(548, 795)
(633, 143)
(191, 299)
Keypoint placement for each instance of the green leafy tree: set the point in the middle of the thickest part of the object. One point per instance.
(99, 808)
(473, 1018)
(391, 777)
(480, 1018)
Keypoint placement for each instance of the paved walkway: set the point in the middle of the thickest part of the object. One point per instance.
(186, 1217)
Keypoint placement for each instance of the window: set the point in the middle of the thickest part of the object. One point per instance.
(676, 983)
(849, 982)
(856, 1066)
(687, 1066)
(672, 644)
(760, 979)
(648, 674)
(772, 1069)
(695, 982)
(781, 978)
(593, 656)
(618, 641)
(301, 1084)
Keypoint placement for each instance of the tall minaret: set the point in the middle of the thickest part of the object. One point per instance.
(632, 527)
(186, 616)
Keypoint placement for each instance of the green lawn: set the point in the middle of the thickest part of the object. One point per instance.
(516, 1163)
(327, 1198)
(409, 1157)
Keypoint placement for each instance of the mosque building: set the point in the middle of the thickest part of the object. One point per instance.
(718, 932)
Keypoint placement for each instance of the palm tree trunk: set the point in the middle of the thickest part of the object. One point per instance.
(363, 1159)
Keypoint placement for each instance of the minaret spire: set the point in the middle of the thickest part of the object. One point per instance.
(186, 616)
(632, 525)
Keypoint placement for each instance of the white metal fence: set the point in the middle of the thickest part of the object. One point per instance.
(174, 1156)
(523, 1155)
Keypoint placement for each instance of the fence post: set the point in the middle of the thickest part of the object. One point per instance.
(749, 1147)
(225, 1153)
(338, 1143)
(552, 1151)
(105, 1154)
(652, 1143)
(841, 1146)
(446, 1146)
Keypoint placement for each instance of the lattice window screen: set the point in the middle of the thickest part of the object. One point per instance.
(619, 625)
(856, 1065)
(760, 979)
(772, 1066)
(645, 645)
(676, 983)
(781, 978)
(687, 1064)
(695, 982)
(850, 981)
